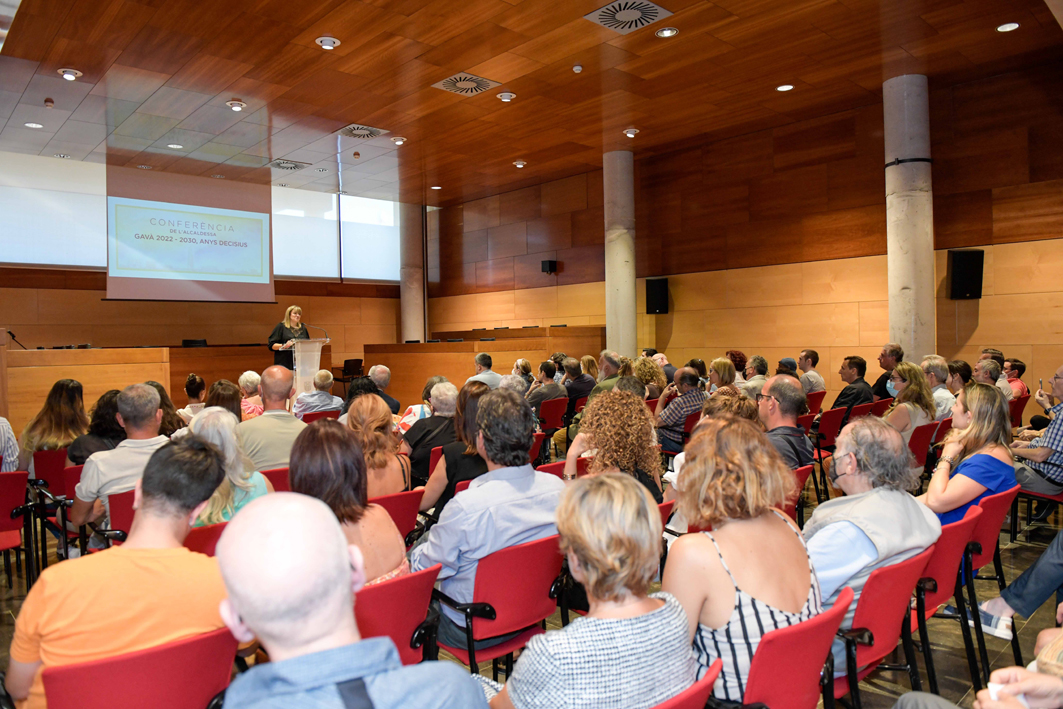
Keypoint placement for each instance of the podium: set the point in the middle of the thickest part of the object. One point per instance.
(307, 364)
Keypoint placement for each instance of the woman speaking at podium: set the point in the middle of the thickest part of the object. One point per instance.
(285, 334)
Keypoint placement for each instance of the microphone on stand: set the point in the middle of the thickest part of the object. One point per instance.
(318, 328)
(16, 340)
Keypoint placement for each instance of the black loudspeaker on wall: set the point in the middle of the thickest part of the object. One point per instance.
(656, 296)
(549, 266)
(964, 274)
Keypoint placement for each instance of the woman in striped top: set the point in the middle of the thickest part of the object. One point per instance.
(751, 574)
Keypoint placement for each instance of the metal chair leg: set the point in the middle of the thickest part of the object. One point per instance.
(909, 654)
(924, 640)
(972, 600)
(965, 630)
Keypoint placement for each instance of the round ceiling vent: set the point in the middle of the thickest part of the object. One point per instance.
(626, 16)
(356, 130)
(465, 84)
(288, 165)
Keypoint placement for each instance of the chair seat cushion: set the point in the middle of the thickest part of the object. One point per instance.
(11, 539)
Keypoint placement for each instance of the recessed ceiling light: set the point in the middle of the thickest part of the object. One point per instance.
(1008, 27)
(69, 74)
(175, 146)
(630, 132)
(329, 43)
(143, 167)
(282, 184)
(577, 68)
(236, 104)
(507, 96)
(436, 187)
(61, 155)
(218, 177)
(520, 163)
(34, 125)
(785, 87)
(398, 140)
(667, 32)
(322, 169)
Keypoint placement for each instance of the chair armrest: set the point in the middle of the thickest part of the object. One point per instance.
(476, 610)
(218, 700)
(114, 535)
(37, 483)
(422, 633)
(674, 533)
(860, 636)
(559, 584)
(974, 548)
(47, 494)
(927, 585)
(429, 516)
(23, 510)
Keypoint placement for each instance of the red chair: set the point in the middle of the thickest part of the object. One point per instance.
(515, 589)
(433, 459)
(552, 414)
(881, 620)
(581, 403)
(71, 478)
(688, 428)
(944, 426)
(881, 406)
(462, 486)
(1017, 407)
(830, 424)
(815, 400)
(697, 694)
(652, 404)
(537, 446)
(789, 663)
(48, 472)
(16, 522)
(919, 443)
(795, 507)
(860, 410)
(278, 478)
(120, 514)
(178, 675)
(666, 510)
(205, 539)
(403, 507)
(558, 468)
(805, 422)
(397, 609)
(315, 415)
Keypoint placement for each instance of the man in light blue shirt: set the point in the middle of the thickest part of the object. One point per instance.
(510, 504)
(321, 399)
(484, 373)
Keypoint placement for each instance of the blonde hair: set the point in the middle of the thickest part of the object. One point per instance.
(725, 370)
(370, 419)
(916, 392)
(732, 471)
(649, 372)
(589, 365)
(622, 429)
(725, 403)
(613, 527)
(990, 420)
(60, 420)
(627, 367)
(288, 318)
(218, 426)
(523, 366)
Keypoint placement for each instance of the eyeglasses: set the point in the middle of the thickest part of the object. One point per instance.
(897, 380)
(762, 397)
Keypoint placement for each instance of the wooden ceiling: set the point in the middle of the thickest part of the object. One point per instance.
(158, 72)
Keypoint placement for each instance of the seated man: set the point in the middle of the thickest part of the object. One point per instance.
(510, 504)
(381, 376)
(936, 369)
(876, 524)
(320, 399)
(267, 439)
(779, 405)
(756, 373)
(483, 363)
(1039, 463)
(1014, 368)
(1023, 596)
(513, 382)
(662, 361)
(544, 388)
(149, 591)
(680, 399)
(119, 469)
(856, 390)
(811, 380)
(291, 578)
(578, 384)
(994, 372)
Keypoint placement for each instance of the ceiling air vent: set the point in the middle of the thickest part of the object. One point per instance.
(626, 16)
(465, 84)
(357, 130)
(289, 165)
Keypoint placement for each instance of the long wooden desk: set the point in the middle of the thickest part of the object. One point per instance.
(574, 341)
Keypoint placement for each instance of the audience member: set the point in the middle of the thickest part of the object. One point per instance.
(627, 367)
(755, 375)
(460, 460)
(610, 533)
(856, 390)
(608, 372)
(388, 472)
(876, 524)
(196, 391)
(1014, 368)
(650, 374)
(320, 399)
(508, 505)
(913, 403)
(778, 407)
(888, 358)
(433, 432)
(732, 480)
(416, 412)
(523, 369)
(217, 426)
(484, 373)
(1039, 467)
(681, 399)
(1026, 594)
(632, 385)
(619, 427)
(268, 439)
(104, 433)
(147, 592)
(936, 371)
(227, 395)
(667, 367)
(648, 352)
(578, 383)
(291, 577)
(722, 377)
(544, 388)
(9, 447)
(171, 422)
(327, 464)
(787, 365)
(112, 471)
(359, 386)
(989, 371)
(514, 383)
(251, 404)
(960, 374)
(975, 461)
(811, 380)
(1020, 689)
(698, 365)
(558, 358)
(1002, 378)
(738, 359)
(381, 376)
(61, 420)
(589, 365)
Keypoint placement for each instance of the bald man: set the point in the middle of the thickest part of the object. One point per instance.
(779, 404)
(291, 578)
(268, 439)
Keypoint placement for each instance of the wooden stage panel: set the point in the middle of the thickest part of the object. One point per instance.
(575, 341)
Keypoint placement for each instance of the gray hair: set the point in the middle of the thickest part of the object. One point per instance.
(788, 392)
(938, 366)
(323, 380)
(445, 399)
(759, 364)
(572, 367)
(881, 453)
(380, 375)
(249, 382)
(514, 382)
(612, 358)
(991, 367)
(137, 405)
(217, 425)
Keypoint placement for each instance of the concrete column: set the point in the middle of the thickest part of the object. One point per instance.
(411, 271)
(909, 215)
(620, 315)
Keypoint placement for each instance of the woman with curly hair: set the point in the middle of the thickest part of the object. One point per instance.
(650, 374)
(620, 427)
(387, 472)
(913, 405)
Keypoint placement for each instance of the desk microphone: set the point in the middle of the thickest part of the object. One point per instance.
(16, 340)
(318, 328)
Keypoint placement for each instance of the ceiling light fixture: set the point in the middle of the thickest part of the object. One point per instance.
(218, 177)
(236, 104)
(520, 164)
(436, 187)
(507, 96)
(328, 43)
(175, 146)
(785, 87)
(398, 140)
(69, 74)
(282, 184)
(143, 167)
(667, 32)
(322, 169)
(342, 192)
(577, 69)
(1008, 27)
(33, 125)
(630, 132)
(61, 155)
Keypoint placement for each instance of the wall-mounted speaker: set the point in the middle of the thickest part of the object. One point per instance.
(964, 274)
(549, 266)
(656, 296)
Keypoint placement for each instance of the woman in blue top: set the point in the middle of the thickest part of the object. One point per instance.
(976, 461)
(218, 426)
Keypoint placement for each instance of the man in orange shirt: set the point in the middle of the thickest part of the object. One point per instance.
(147, 592)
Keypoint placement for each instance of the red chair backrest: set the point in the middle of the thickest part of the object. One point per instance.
(948, 553)
(944, 426)
(552, 413)
(581, 403)
(830, 422)
(178, 675)
(652, 404)
(394, 608)
(120, 506)
(861, 410)
(12, 495)
(881, 406)
(805, 422)
(315, 415)
(801, 474)
(433, 458)
(987, 531)
(402, 506)
(1017, 406)
(815, 400)
(666, 510)
(558, 468)
(205, 539)
(785, 670)
(462, 486)
(278, 478)
(71, 478)
(690, 422)
(537, 445)
(695, 696)
(920, 441)
(516, 581)
(48, 466)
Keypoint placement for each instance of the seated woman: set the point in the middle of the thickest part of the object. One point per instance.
(228, 396)
(218, 426)
(523, 369)
(620, 427)
(251, 405)
(698, 365)
(359, 386)
(171, 422)
(104, 432)
(913, 402)
(610, 533)
(589, 365)
(387, 472)
(416, 412)
(327, 463)
(435, 431)
(976, 460)
(960, 374)
(732, 482)
(650, 374)
(460, 461)
(722, 376)
(196, 391)
(61, 420)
